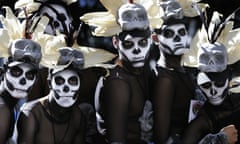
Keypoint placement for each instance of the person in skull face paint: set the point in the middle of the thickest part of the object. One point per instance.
(220, 110)
(56, 118)
(222, 107)
(60, 21)
(60, 17)
(122, 94)
(173, 84)
(18, 76)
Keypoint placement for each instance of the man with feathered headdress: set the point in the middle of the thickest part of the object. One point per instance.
(18, 74)
(52, 24)
(56, 117)
(220, 112)
(123, 109)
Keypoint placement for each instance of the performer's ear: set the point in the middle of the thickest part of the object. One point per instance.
(155, 38)
(49, 83)
(115, 42)
(49, 77)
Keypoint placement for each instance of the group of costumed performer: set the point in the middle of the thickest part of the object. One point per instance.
(35, 30)
(214, 51)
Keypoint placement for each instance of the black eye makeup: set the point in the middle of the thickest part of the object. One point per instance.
(73, 80)
(127, 44)
(16, 71)
(59, 80)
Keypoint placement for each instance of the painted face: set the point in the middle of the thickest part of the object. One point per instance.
(60, 19)
(134, 50)
(212, 57)
(174, 39)
(214, 90)
(19, 79)
(65, 85)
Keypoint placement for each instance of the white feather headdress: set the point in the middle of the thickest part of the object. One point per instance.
(31, 6)
(14, 29)
(186, 6)
(218, 30)
(105, 22)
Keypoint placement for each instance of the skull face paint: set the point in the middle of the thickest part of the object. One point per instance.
(60, 19)
(19, 79)
(212, 57)
(173, 39)
(134, 50)
(214, 90)
(65, 85)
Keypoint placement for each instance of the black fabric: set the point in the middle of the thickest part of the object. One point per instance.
(56, 112)
(91, 128)
(34, 125)
(135, 33)
(219, 76)
(211, 119)
(40, 87)
(121, 104)
(9, 100)
(172, 92)
(7, 120)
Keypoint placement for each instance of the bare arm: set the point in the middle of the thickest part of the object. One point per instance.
(80, 135)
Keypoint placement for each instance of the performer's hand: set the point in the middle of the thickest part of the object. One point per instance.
(231, 133)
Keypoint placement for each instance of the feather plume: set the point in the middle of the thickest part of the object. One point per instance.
(235, 85)
(94, 56)
(32, 6)
(219, 30)
(188, 7)
(105, 22)
(14, 29)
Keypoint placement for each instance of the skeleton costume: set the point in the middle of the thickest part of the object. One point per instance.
(213, 59)
(123, 111)
(174, 86)
(19, 72)
(56, 118)
(58, 12)
(60, 29)
(221, 108)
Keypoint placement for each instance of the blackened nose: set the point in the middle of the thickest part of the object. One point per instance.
(177, 38)
(22, 81)
(213, 92)
(136, 51)
(65, 88)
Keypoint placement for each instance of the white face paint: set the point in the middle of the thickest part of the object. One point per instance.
(59, 19)
(174, 39)
(212, 89)
(65, 84)
(134, 49)
(212, 57)
(19, 80)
